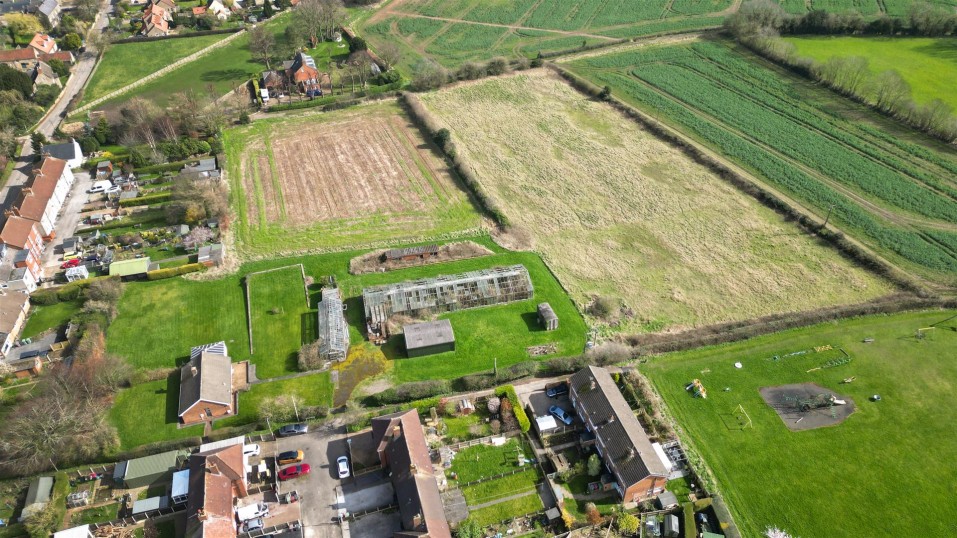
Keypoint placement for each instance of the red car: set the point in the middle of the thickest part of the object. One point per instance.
(294, 471)
(75, 262)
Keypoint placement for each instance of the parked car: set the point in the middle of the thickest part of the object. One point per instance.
(252, 511)
(113, 190)
(561, 414)
(253, 524)
(556, 390)
(75, 262)
(294, 471)
(290, 456)
(99, 186)
(343, 464)
(251, 449)
(292, 429)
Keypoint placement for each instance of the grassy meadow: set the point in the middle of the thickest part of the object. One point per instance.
(126, 63)
(43, 318)
(929, 65)
(893, 456)
(618, 213)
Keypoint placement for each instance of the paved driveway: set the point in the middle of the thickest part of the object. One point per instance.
(66, 222)
(318, 488)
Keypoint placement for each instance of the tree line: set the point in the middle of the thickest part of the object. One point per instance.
(760, 23)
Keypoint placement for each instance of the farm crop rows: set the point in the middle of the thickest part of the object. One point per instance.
(617, 212)
(340, 179)
(877, 187)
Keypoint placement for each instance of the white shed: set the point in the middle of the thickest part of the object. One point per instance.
(77, 273)
(180, 491)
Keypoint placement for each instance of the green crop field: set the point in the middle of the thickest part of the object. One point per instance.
(453, 32)
(927, 64)
(868, 8)
(829, 481)
(898, 196)
(618, 213)
(129, 62)
(340, 179)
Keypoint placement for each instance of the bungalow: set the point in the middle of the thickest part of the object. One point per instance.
(43, 44)
(155, 25)
(133, 269)
(13, 316)
(205, 385)
(68, 151)
(402, 449)
(639, 474)
(43, 75)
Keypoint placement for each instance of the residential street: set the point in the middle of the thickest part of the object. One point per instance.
(80, 73)
(318, 488)
(67, 222)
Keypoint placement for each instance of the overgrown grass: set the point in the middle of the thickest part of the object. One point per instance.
(771, 476)
(126, 63)
(506, 510)
(281, 320)
(483, 461)
(99, 514)
(314, 390)
(43, 318)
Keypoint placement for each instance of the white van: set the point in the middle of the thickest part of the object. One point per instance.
(252, 511)
(100, 186)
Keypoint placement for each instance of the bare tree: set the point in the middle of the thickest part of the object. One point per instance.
(167, 127)
(890, 91)
(363, 66)
(99, 42)
(390, 54)
(189, 107)
(139, 116)
(262, 43)
(319, 19)
(309, 358)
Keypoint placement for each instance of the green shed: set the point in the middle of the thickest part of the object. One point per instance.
(149, 470)
(428, 338)
(130, 269)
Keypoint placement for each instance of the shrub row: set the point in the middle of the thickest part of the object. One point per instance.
(140, 39)
(408, 392)
(487, 380)
(148, 199)
(168, 167)
(735, 331)
(847, 247)
(334, 102)
(160, 274)
(159, 447)
(508, 391)
(432, 129)
(67, 292)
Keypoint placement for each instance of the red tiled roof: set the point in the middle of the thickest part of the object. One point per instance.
(155, 21)
(43, 43)
(64, 56)
(17, 230)
(200, 10)
(17, 55)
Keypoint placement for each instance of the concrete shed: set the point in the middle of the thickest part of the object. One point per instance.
(429, 338)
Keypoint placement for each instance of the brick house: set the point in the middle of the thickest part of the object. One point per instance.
(42, 197)
(205, 385)
(43, 44)
(13, 316)
(216, 478)
(402, 449)
(638, 472)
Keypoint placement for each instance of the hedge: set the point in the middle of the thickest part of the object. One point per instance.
(407, 392)
(159, 447)
(691, 530)
(160, 274)
(168, 167)
(508, 391)
(148, 199)
(67, 292)
(338, 101)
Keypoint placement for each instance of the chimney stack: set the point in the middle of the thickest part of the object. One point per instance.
(193, 371)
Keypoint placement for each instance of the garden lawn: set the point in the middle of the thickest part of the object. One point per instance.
(43, 318)
(929, 65)
(126, 63)
(315, 390)
(148, 413)
(282, 321)
(506, 510)
(483, 461)
(771, 476)
(100, 514)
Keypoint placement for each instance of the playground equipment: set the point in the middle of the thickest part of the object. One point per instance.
(698, 389)
(820, 401)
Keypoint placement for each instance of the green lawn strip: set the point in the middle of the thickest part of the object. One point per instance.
(605, 506)
(501, 487)
(781, 485)
(279, 315)
(506, 510)
(315, 390)
(461, 427)
(43, 317)
(126, 63)
(100, 514)
(148, 413)
(927, 64)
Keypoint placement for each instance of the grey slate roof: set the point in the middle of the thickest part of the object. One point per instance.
(428, 334)
(65, 151)
(623, 439)
(212, 380)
